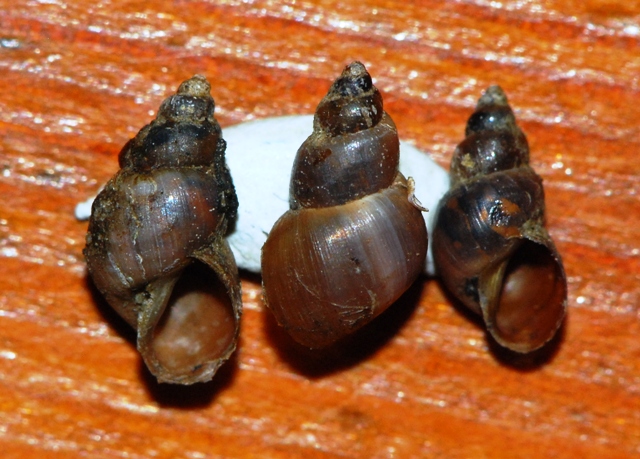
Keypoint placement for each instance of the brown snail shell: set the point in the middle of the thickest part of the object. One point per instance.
(352, 241)
(155, 245)
(490, 245)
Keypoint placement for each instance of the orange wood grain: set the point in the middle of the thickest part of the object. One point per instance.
(78, 79)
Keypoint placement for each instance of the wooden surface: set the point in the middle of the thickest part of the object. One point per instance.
(77, 80)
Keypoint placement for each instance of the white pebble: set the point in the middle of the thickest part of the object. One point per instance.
(83, 209)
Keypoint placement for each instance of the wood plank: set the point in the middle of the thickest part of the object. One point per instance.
(79, 79)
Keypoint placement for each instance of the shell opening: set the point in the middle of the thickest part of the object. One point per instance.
(198, 324)
(532, 300)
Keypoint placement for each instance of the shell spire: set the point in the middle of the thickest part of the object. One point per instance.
(354, 150)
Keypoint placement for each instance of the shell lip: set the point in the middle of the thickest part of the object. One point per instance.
(218, 260)
(523, 298)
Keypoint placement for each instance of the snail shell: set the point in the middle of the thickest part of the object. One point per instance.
(352, 241)
(155, 245)
(490, 245)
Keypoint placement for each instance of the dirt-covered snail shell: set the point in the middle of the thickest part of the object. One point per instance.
(353, 240)
(490, 246)
(156, 247)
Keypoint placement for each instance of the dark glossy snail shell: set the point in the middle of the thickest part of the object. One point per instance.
(156, 248)
(352, 241)
(490, 245)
